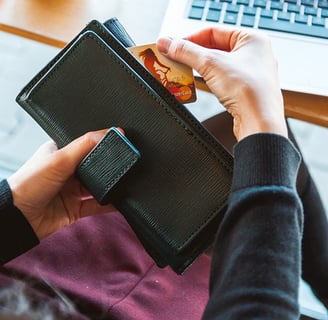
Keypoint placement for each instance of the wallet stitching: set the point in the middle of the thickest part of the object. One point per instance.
(43, 122)
(69, 53)
(173, 100)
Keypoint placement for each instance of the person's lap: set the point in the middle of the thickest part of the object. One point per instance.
(103, 269)
(101, 266)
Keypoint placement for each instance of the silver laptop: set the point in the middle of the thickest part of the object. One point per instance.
(298, 29)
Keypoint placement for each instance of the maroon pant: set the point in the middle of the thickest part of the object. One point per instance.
(99, 264)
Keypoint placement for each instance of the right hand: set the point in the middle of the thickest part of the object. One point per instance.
(239, 68)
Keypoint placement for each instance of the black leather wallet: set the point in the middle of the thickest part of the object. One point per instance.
(174, 195)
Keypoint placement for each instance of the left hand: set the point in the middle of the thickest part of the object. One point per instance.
(46, 190)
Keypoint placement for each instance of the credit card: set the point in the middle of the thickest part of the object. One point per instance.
(176, 77)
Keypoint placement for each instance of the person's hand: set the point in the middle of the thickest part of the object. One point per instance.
(46, 191)
(239, 68)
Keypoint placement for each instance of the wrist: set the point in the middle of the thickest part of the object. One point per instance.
(16, 234)
(14, 187)
(20, 194)
(274, 126)
(260, 114)
(265, 159)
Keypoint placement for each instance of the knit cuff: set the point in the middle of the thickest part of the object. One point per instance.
(265, 159)
(16, 234)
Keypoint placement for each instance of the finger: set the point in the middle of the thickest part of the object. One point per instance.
(68, 158)
(217, 38)
(121, 130)
(92, 207)
(190, 49)
(181, 50)
(85, 193)
(80, 147)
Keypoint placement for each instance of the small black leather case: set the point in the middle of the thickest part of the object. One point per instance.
(175, 195)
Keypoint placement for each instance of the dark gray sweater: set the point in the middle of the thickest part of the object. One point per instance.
(256, 263)
(16, 234)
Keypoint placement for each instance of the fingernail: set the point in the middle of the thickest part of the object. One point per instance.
(97, 136)
(121, 130)
(163, 44)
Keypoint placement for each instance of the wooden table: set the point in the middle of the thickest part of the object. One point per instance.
(307, 107)
(56, 22)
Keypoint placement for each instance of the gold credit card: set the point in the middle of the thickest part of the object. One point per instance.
(176, 77)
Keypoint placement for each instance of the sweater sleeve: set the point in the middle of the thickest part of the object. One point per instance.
(256, 261)
(16, 234)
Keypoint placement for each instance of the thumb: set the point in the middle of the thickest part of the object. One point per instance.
(71, 155)
(181, 50)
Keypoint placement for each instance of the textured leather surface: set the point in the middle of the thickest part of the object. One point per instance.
(107, 163)
(117, 29)
(174, 197)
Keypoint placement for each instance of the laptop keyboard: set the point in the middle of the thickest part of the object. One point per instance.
(303, 17)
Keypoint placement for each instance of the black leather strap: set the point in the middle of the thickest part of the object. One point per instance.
(117, 29)
(107, 163)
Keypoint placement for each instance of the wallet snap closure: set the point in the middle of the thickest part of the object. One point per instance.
(107, 163)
